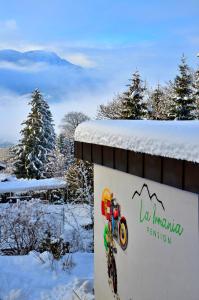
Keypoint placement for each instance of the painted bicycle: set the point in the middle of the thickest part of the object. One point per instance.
(116, 222)
(115, 232)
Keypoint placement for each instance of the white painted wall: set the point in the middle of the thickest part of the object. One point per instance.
(149, 269)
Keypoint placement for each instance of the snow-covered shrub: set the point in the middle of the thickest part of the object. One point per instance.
(15, 294)
(59, 229)
(24, 226)
(68, 263)
(56, 246)
(65, 263)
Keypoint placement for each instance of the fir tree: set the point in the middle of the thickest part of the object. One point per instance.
(61, 143)
(56, 166)
(158, 104)
(112, 110)
(196, 92)
(38, 140)
(80, 183)
(133, 106)
(183, 107)
(65, 145)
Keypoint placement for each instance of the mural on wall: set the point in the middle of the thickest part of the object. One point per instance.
(152, 214)
(139, 259)
(115, 233)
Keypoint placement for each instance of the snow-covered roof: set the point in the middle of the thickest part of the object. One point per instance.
(7, 177)
(2, 165)
(25, 185)
(174, 139)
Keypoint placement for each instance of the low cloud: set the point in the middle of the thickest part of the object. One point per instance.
(14, 109)
(24, 66)
(80, 59)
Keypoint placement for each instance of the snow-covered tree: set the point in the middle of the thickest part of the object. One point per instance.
(183, 107)
(159, 100)
(66, 147)
(80, 180)
(70, 122)
(61, 143)
(112, 110)
(65, 140)
(80, 183)
(133, 104)
(56, 166)
(129, 105)
(196, 91)
(37, 142)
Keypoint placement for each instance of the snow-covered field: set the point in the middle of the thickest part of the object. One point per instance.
(30, 278)
(37, 276)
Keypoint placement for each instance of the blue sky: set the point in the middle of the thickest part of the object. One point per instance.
(112, 37)
(147, 35)
(102, 22)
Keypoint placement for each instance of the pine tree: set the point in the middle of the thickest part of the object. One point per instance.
(80, 181)
(196, 92)
(80, 185)
(112, 110)
(65, 145)
(158, 104)
(38, 140)
(183, 107)
(56, 166)
(133, 106)
(61, 142)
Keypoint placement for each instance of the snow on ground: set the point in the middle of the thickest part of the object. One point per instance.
(28, 278)
(175, 139)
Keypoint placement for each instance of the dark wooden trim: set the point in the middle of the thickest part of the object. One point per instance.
(173, 172)
(152, 167)
(143, 165)
(108, 157)
(78, 150)
(191, 177)
(162, 169)
(87, 152)
(121, 159)
(135, 163)
(97, 154)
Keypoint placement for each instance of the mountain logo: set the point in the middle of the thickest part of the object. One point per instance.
(151, 196)
(152, 213)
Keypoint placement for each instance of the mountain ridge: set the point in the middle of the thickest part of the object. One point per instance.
(34, 56)
(22, 72)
